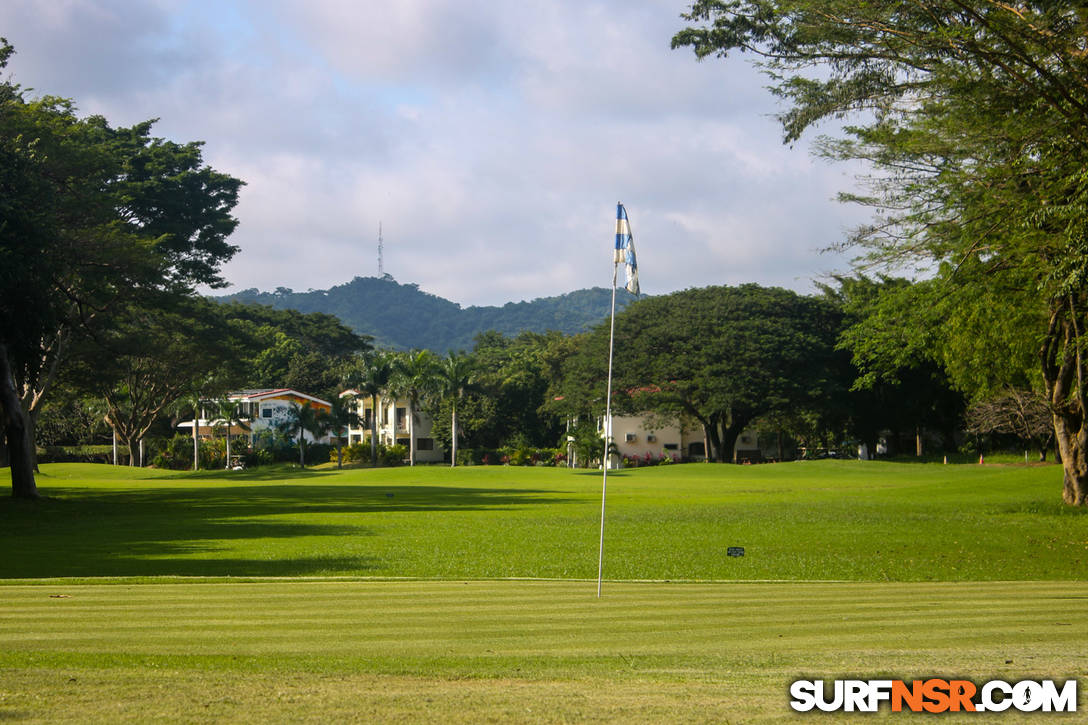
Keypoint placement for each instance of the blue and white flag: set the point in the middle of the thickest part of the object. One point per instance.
(625, 249)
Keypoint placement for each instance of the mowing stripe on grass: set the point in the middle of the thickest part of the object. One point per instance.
(484, 628)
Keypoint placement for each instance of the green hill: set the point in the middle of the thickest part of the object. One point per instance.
(402, 316)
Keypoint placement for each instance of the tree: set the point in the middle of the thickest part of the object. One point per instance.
(151, 356)
(341, 417)
(897, 376)
(415, 377)
(455, 375)
(303, 419)
(723, 355)
(977, 130)
(372, 376)
(1018, 412)
(93, 216)
(307, 352)
(226, 410)
(514, 374)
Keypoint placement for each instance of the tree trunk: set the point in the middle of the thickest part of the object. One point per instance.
(16, 433)
(411, 435)
(453, 438)
(710, 431)
(196, 439)
(730, 433)
(1073, 445)
(918, 443)
(374, 431)
(1063, 376)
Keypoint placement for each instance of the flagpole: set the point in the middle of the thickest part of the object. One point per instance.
(607, 428)
(607, 421)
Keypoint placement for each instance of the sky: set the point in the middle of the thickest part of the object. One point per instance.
(491, 140)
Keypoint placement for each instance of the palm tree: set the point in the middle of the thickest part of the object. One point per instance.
(455, 375)
(375, 371)
(303, 419)
(226, 410)
(416, 377)
(192, 401)
(340, 418)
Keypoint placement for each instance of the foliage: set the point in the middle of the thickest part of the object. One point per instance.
(177, 453)
(510, 456)
(416, 378)
(515, 375)
(96, 219)
(725, 356)
(340, 418)
(76, 454)
(898, 379)
(1021, 413)
(308, 352)
(153, 356)
(402, 317)
(456, 375)
(392, 455)
(370, 374)
(303, 419)
(976, 131)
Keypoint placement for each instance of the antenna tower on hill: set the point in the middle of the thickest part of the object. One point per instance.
(381, 266)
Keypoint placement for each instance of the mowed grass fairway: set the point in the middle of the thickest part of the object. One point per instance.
(432, 594)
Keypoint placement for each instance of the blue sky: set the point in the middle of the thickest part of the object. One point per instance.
(491, 140)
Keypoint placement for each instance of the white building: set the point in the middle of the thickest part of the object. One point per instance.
(653, 438)
(257, 410)
(393, 426)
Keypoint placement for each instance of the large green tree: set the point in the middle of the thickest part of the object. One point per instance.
(723, 356)
(513, 376)
(151, 356)
(897, 376)
(93, 218)
(975, 119)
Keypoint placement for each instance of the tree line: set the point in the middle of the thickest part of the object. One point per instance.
(974, 118)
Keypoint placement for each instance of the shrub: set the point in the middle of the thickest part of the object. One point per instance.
(80, 454)
(174, 453)
(319, 453)
(357, 453)
(393, 455)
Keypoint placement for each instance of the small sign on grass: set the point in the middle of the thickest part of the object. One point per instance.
(735, 551)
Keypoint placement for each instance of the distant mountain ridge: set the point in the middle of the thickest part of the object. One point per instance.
(403, 317)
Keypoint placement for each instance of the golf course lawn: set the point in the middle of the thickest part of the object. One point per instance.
(469, 595)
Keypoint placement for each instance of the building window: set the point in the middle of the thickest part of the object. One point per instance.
(266, 412)
(402, 418)
(424, 444)
(672, 446)
(651, 438)
(630, 437)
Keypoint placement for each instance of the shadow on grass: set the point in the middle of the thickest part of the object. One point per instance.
(259, 473)
(194, 531)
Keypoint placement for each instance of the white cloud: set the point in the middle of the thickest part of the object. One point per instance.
(491, 139)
